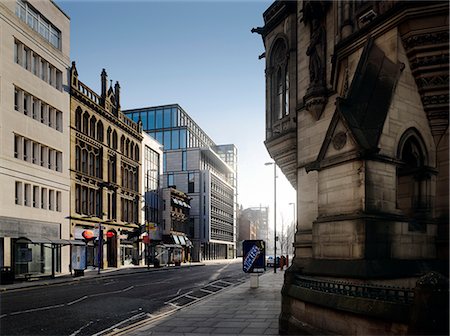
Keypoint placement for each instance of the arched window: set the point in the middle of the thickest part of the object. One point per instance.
(122, 144)
(92, 127)
(127, 147)
(77, 158)
(279, 81)
(131, 149)
(136, 152)
(100, 131)
(114, 139)
(85, 126)
(108, 137)
(78, 118)
(414, 180)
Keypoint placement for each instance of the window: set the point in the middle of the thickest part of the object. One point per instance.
(167, 118)
(191, 182)
(170, 181)
(167, 138)
(19, 193)
(78, 119)
(58, 201)
(43, 198)
(183, 160)
(38, 23)
(92, 127)
(100, 131)
(26, 103)
(16, 99)
(175, 139)
(159, 118)
(85, 123)
(279, 81)
(27, 194)
(51, 199)
(36, 197)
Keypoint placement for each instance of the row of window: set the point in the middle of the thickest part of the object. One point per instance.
(157, 118)
(92, 127)
(38, 23)
(88, 201)
(130, 177)
(37, 197)
(37, 65)
(88, 159)
(35, 108)
(34, 152)
(151, 169)
(129, 210)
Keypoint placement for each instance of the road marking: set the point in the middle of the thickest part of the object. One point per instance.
(37, 309)
(120, 323)
(79, 330)
(80, 299)
(178, 292)
(65, 304)
(207, 291)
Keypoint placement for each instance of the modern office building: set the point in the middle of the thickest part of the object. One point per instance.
(34, 137)
(151, 231)
(357, 105)
(192, 164)
(105, 165)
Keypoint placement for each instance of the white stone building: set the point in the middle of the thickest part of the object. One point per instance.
(34, 137)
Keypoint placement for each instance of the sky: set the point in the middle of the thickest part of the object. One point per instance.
(199, 54)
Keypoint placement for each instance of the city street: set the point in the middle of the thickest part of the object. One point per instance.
(99, 305)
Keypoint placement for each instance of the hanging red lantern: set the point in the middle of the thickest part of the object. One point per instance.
(110, 234)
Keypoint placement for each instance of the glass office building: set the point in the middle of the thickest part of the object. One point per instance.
(194, 164)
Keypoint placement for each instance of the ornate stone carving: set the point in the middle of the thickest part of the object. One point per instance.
(314, 13)
(339, 140)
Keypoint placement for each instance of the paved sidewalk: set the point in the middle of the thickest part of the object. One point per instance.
(237, 311)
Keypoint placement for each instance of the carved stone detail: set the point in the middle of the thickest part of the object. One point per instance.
(315, 99)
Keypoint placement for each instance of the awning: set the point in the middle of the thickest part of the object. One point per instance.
(175, 239)
(24, 240)
(182, 241)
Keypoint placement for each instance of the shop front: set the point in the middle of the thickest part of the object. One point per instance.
(33, 248)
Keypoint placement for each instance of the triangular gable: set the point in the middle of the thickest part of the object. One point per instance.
(365, 109)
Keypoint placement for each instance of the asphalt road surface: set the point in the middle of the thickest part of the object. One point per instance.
(97, 306)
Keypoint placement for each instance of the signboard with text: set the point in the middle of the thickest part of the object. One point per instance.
(254, 256)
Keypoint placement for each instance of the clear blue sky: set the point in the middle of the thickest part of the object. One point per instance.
(199, 54)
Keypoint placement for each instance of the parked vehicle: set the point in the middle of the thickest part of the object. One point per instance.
(269, 261)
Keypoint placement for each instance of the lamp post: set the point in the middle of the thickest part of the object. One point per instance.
(100, 246)
(293, 217)
(274, 214)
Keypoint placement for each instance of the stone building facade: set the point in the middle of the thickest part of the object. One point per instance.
(105, 168)
(34, 138)
(357, 120)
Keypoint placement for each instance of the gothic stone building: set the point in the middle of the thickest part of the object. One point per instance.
(357, 119)
(104, 167)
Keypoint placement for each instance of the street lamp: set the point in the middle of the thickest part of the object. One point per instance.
(293, 218)
(100, 246)
(274, 214)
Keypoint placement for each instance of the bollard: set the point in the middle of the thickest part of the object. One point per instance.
(254, 280)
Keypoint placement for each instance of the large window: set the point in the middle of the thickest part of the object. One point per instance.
(170, 180)
(38, 23)
(279, 81)
(151, 169)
